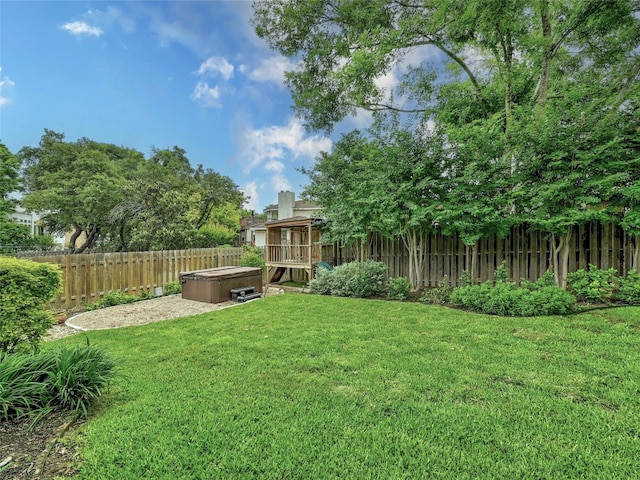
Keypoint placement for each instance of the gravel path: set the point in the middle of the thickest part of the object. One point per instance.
(137, 313)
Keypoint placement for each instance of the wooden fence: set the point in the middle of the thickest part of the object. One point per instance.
(526, 252)
(88, 277)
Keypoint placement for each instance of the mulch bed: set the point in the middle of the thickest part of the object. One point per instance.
(39, 452)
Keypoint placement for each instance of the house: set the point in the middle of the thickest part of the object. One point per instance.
(288, 207)
(33, 222)
(293, 239)
(253, 230)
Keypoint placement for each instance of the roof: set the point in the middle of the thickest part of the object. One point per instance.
(291, 222)
(297, 205)
(247, 222)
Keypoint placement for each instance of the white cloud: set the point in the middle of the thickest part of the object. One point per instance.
(216, 65)
(272, 69)
(110, 16)
(274, 166)
(279, 183)
(250, 189)
(213, 66)
(271, 145)
(81, 28)
(206, 95)
(5, 83)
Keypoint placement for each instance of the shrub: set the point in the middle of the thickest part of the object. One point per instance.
(172, 288)
(323, 283)
(15, 237)
(25, 289)
(67, 378)
(213, 235)
(594, 286)
(398, 289)
(546, 280)
(112, 299)
(253, 257)
(440, 294)
(630, 288)
(355, 279)
(507, 299)
(548, 300)
(465, 279)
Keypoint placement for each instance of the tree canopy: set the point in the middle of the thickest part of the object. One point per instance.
(9, 180)
(113, 196)
(534, 105)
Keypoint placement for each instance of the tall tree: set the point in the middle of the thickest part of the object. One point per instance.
(74, 185)
(389, 182)
(9, 180)
(499, 54)
(169, 201)
(496, 78)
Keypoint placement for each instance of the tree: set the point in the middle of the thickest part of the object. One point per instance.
(499, 55)
(170, 205)
(389, 182)
(496, 81)
(342, 183)
(75, 185)
(9, 181)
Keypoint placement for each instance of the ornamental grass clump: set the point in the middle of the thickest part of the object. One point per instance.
(37, 383)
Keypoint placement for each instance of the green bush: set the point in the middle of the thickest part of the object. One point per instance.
(34, 384)
(440, 294)
(112, 299)
(593, 286)
(506, 299)
(252, 257)
(15, 237)
(355, 279)
(398, 289)
(548, 300)
(171, 288)
(213, 236)
(630, 288)
(25, 289)
(323, 283)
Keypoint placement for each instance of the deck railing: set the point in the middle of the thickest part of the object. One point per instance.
(293, 254)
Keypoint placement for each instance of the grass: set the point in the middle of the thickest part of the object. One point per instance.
(302, 386)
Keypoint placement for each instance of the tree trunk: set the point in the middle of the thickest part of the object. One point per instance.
(123, 244)
(635, 262)
(77, 231)
(414, 242)
(560, 257)
(542, 88)
(92, 236)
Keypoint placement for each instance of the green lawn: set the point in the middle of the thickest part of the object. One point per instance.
(308, 387)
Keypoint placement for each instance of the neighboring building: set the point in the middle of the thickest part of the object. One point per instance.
(288, 207)
(253, 231)
(32, 220)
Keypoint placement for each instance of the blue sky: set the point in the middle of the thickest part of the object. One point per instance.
(143, 73)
